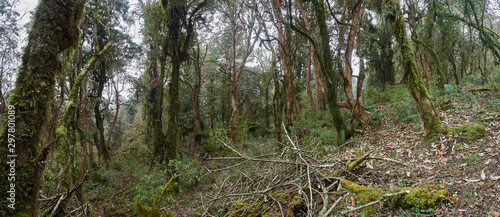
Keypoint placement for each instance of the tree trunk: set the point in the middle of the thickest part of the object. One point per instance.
(411, 76)
(285, 39)
(117, 100)
(179, 37)
(197, 92)
(318, 84)
(309, 60)
(101, 79)
(276, 96)
(173, 112)
(327, 67)
(54, 29)
(236, 71)
(156, 107)
(359, 110)
(308, 77)
(440, 83)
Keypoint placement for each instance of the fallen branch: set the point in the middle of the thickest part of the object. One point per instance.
(382, 198)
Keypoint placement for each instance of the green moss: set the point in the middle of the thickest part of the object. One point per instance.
(470, 133)
(445, 104)
(419, 197)
(62, 146)
(364, 194)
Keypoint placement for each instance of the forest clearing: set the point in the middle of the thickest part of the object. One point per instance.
(250, 108)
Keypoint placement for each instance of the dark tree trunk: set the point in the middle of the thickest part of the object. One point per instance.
(173, 112)
(101, 78)
(327, 67)
(54, 29)
(180, 35)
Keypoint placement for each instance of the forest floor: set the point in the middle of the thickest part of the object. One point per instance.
(468, 170)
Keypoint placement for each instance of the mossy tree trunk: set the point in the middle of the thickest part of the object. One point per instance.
(440, 82)
(411, 76)
(329, 76)
(155, 107)
(155, 74)
(101, 79)
(180, 31)
(54, 29)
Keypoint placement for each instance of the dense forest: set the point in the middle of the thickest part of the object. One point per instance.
(250, 108)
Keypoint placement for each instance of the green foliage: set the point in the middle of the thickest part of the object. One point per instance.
(403, 107)
(153, 209)
(314, 127)
(445, 104)
(217, 134)
(101, 183)
(149, 182)
(188, 170)
(242, 131)
(376, 117)
(374, 95)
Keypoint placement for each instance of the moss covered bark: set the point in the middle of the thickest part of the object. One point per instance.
(177, 44)
(411, 76)
(419, 197)
(54, 29)
(329, 76)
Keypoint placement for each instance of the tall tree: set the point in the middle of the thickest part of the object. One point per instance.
(358, 111)
(240, 22)
(329, 75)
(54, 29)
(411, 76)
(154, 19)
(285, 50)
(180, 32)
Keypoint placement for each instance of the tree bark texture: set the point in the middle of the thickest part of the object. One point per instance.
(54, 29)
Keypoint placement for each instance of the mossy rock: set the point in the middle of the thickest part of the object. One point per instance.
(470, 133)
(445, 104)
(98, 178)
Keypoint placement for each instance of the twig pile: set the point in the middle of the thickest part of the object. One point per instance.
(295, 180)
